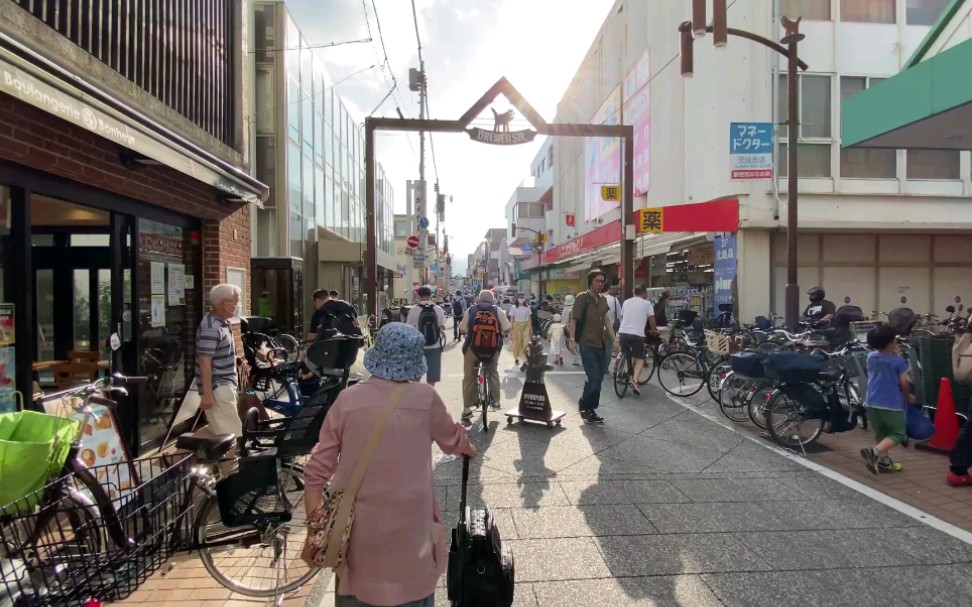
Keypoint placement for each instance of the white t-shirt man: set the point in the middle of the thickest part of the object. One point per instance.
(634, 316)
(416, 311)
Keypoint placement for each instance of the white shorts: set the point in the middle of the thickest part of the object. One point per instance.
(224, 417)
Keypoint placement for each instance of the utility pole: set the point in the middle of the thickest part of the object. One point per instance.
(417, 83)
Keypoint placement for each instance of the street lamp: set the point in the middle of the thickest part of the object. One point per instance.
(720, 32)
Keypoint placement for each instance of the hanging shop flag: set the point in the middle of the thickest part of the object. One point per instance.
(713, 216)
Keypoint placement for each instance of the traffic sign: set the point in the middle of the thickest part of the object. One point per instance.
(424, 223)
(419, 257)
(751, 150)
(526, 247)
(412, 242)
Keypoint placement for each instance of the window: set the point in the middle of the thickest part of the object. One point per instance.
(924, 12)
(934, 164)
(811, 10)
(813, 160)
(816, 132)
(401, 229)
(872, 163)
(293, 108)
(868, 11)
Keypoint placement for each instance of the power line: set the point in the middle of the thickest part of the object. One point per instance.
(312, 46)
(417, 37)
(435, 166)
(308, 95)
(382, 102)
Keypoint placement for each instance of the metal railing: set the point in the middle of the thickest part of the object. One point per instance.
(180, 51)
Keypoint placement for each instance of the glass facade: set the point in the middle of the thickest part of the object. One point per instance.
(322, 153)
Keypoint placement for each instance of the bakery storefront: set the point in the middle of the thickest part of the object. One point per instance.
(110, 223)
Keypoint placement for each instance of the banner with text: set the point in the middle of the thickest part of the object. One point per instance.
(602, 159)
(724, 270)
(637, 101)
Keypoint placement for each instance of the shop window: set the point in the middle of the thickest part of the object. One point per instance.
(942, 165)
(168, 316)
(874, 163)
(868, 11)
(924, 12)
(82, 311)
(813, 160)
(809, 10)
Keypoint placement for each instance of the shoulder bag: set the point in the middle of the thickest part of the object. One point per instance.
(329, 527)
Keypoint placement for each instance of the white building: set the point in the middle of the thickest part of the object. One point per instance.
(877, 227)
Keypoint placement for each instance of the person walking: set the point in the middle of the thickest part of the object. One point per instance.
(397, 548)
(217, 379)
(888, 391)
(589, 330)
(474, 325)
(458, 308)
(565, 314)
(521, 316)
(637, 314)
(429, 319)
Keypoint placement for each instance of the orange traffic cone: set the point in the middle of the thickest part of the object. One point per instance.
(946, 420)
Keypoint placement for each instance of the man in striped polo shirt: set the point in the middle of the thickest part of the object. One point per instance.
(216, 362)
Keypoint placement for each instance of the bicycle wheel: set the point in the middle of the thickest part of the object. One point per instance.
(648, 370)
(730, 403)
(717, 374)
(288, 343)
(757, 397)
(254, 561)
(680, 374)
(787, 424)
(622, 374)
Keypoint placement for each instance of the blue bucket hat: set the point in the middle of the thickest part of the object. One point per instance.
(398, 353)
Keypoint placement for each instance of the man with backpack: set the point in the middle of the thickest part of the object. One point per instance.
(429, 319)
(458, 308)
(484, 326)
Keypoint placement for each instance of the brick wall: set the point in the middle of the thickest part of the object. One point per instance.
(34, 138)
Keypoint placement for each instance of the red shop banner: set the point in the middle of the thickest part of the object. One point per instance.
(604, 235)
(713, 216)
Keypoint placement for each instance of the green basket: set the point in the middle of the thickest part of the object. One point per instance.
(33, 447)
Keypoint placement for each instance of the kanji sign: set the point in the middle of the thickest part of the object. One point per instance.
(751, 150)
(711, 216)
(651, 220)
(611, 193)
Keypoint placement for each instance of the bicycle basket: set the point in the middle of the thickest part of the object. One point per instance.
(300, 433)
(792, 367)
(845, 315)
(748, 365)
(28, 438)
(717, 342)
(69, 549)
(253, 496)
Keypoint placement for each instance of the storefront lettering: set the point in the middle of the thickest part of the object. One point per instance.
(43, 96)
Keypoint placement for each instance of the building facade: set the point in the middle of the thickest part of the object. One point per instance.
(310, 152)
(124, 194)
(876, 226)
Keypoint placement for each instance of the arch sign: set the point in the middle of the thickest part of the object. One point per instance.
(500, 134)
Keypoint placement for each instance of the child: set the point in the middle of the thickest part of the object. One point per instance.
(888, 389)
(555, 336)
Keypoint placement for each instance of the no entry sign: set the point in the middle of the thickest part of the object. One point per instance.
(413, 241)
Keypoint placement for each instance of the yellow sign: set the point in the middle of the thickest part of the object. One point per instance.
(651, 220)
(611, 193)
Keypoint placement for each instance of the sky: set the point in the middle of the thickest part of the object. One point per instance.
(467, 46)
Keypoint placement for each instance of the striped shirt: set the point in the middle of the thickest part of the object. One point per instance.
(215, 339)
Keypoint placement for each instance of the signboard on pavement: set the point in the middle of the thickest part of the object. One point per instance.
(751, 150)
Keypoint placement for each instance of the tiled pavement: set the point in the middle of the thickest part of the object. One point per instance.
(662, 506)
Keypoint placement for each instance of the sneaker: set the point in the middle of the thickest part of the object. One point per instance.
(494, 406)
(959, 480)
(516, 361)
(634, 388)
(467, 416)
(889, 466)
(871, 457)
(593, 418)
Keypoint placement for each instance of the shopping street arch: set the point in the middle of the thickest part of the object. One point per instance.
(500, 135)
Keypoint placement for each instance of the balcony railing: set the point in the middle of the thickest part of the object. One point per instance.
(179, 51)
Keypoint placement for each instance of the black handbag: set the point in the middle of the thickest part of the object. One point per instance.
(480, 571)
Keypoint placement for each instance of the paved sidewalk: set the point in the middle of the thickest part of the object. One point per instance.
(661, 506)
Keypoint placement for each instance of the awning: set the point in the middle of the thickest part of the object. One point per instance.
(926, 106)
(27, 75)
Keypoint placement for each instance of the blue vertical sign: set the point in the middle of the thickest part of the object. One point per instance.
(724, 270)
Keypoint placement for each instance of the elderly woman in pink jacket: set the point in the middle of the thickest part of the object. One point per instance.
(397, 550)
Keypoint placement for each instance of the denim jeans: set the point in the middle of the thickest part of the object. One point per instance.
(594, 365)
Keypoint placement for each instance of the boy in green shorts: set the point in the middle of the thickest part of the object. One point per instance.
(888, 390)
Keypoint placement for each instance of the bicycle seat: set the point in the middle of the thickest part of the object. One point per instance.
(207, 447)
